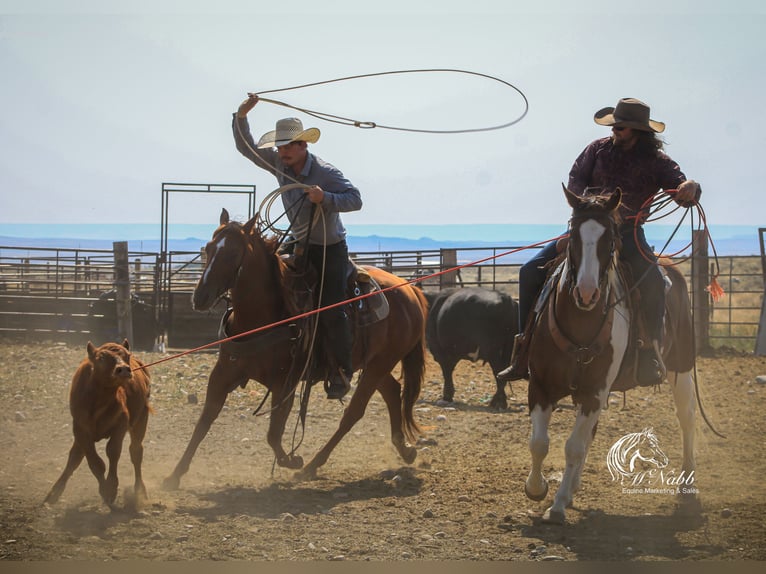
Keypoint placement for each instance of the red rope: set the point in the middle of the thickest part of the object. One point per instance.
(714, 288)
(346, 301)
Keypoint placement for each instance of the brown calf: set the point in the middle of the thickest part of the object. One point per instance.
(109, 397)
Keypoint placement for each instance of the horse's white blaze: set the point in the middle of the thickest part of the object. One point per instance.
(588, 273)
(218, 247)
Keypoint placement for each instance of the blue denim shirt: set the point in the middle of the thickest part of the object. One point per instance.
(340, 194)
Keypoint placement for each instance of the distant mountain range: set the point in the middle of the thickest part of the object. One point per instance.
(728, 239)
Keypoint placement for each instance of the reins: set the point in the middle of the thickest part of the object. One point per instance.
(585, 353)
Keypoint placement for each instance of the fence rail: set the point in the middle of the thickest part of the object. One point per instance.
(56, 292)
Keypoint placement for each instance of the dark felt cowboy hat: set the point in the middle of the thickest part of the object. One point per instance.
(629, 113)
(288, 130)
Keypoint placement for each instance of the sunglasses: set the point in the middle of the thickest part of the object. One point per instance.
(619, 128)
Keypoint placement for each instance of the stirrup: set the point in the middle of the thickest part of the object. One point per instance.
(512, 373)
(338, 385)
(650, 368)
(519, 367)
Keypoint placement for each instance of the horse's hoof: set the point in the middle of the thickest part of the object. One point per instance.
(689, 504)
(171, 483)
(499, 403)
(551, 516)
(52, 498)
(291, 461)
(536, 497)
(109, 495)
(409, 454)
(306, 474)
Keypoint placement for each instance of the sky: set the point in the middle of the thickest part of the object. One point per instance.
(102, 102)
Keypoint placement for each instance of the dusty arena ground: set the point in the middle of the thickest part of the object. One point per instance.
(461, 500)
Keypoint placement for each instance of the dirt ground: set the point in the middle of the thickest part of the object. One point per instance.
(461, 500)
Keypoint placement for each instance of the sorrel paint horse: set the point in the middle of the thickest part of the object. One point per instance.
(581, 338)
(244, 263)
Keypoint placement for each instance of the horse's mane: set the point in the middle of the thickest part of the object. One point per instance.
(269, 244)
(595, 203)
(285, 274)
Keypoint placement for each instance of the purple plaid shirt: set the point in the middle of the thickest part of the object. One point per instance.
(602, 165)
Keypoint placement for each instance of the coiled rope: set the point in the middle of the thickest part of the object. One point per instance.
(655, 208)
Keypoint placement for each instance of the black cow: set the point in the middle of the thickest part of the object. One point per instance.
(475, 324)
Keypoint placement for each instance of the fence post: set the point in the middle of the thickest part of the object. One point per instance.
(760, 339)
(701, 298)
(122, 291)
(448, 261)
(137, 279)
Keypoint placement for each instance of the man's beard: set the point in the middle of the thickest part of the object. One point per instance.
(621, 144)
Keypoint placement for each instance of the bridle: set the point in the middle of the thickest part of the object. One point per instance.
(585, 354)
(612, 229)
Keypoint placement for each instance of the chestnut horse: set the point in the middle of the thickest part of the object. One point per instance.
(245, 264)
(582, 347)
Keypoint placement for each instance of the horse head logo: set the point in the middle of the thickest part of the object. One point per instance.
(635, 453)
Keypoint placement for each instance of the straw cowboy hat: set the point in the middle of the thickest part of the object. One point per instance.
(629, 113)
(288, 130)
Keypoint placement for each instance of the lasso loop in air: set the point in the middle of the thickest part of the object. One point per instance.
(367, 124)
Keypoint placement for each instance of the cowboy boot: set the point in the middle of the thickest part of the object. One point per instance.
(338, 384)
(650, 369)
(338, 333)
(519, 367)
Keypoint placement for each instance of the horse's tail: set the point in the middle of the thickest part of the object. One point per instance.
(413, 371)
(682, 355)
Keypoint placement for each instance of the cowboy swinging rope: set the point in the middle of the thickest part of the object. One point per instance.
(264, 210)
(265, 220)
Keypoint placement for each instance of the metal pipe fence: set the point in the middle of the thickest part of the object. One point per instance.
(82, 273)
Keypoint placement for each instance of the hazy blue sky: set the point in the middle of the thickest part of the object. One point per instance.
(103, 101)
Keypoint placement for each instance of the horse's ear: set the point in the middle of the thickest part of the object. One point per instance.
(248, 227)
(224, 217)
(614, 200)
(126, 344)
(572, 198)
